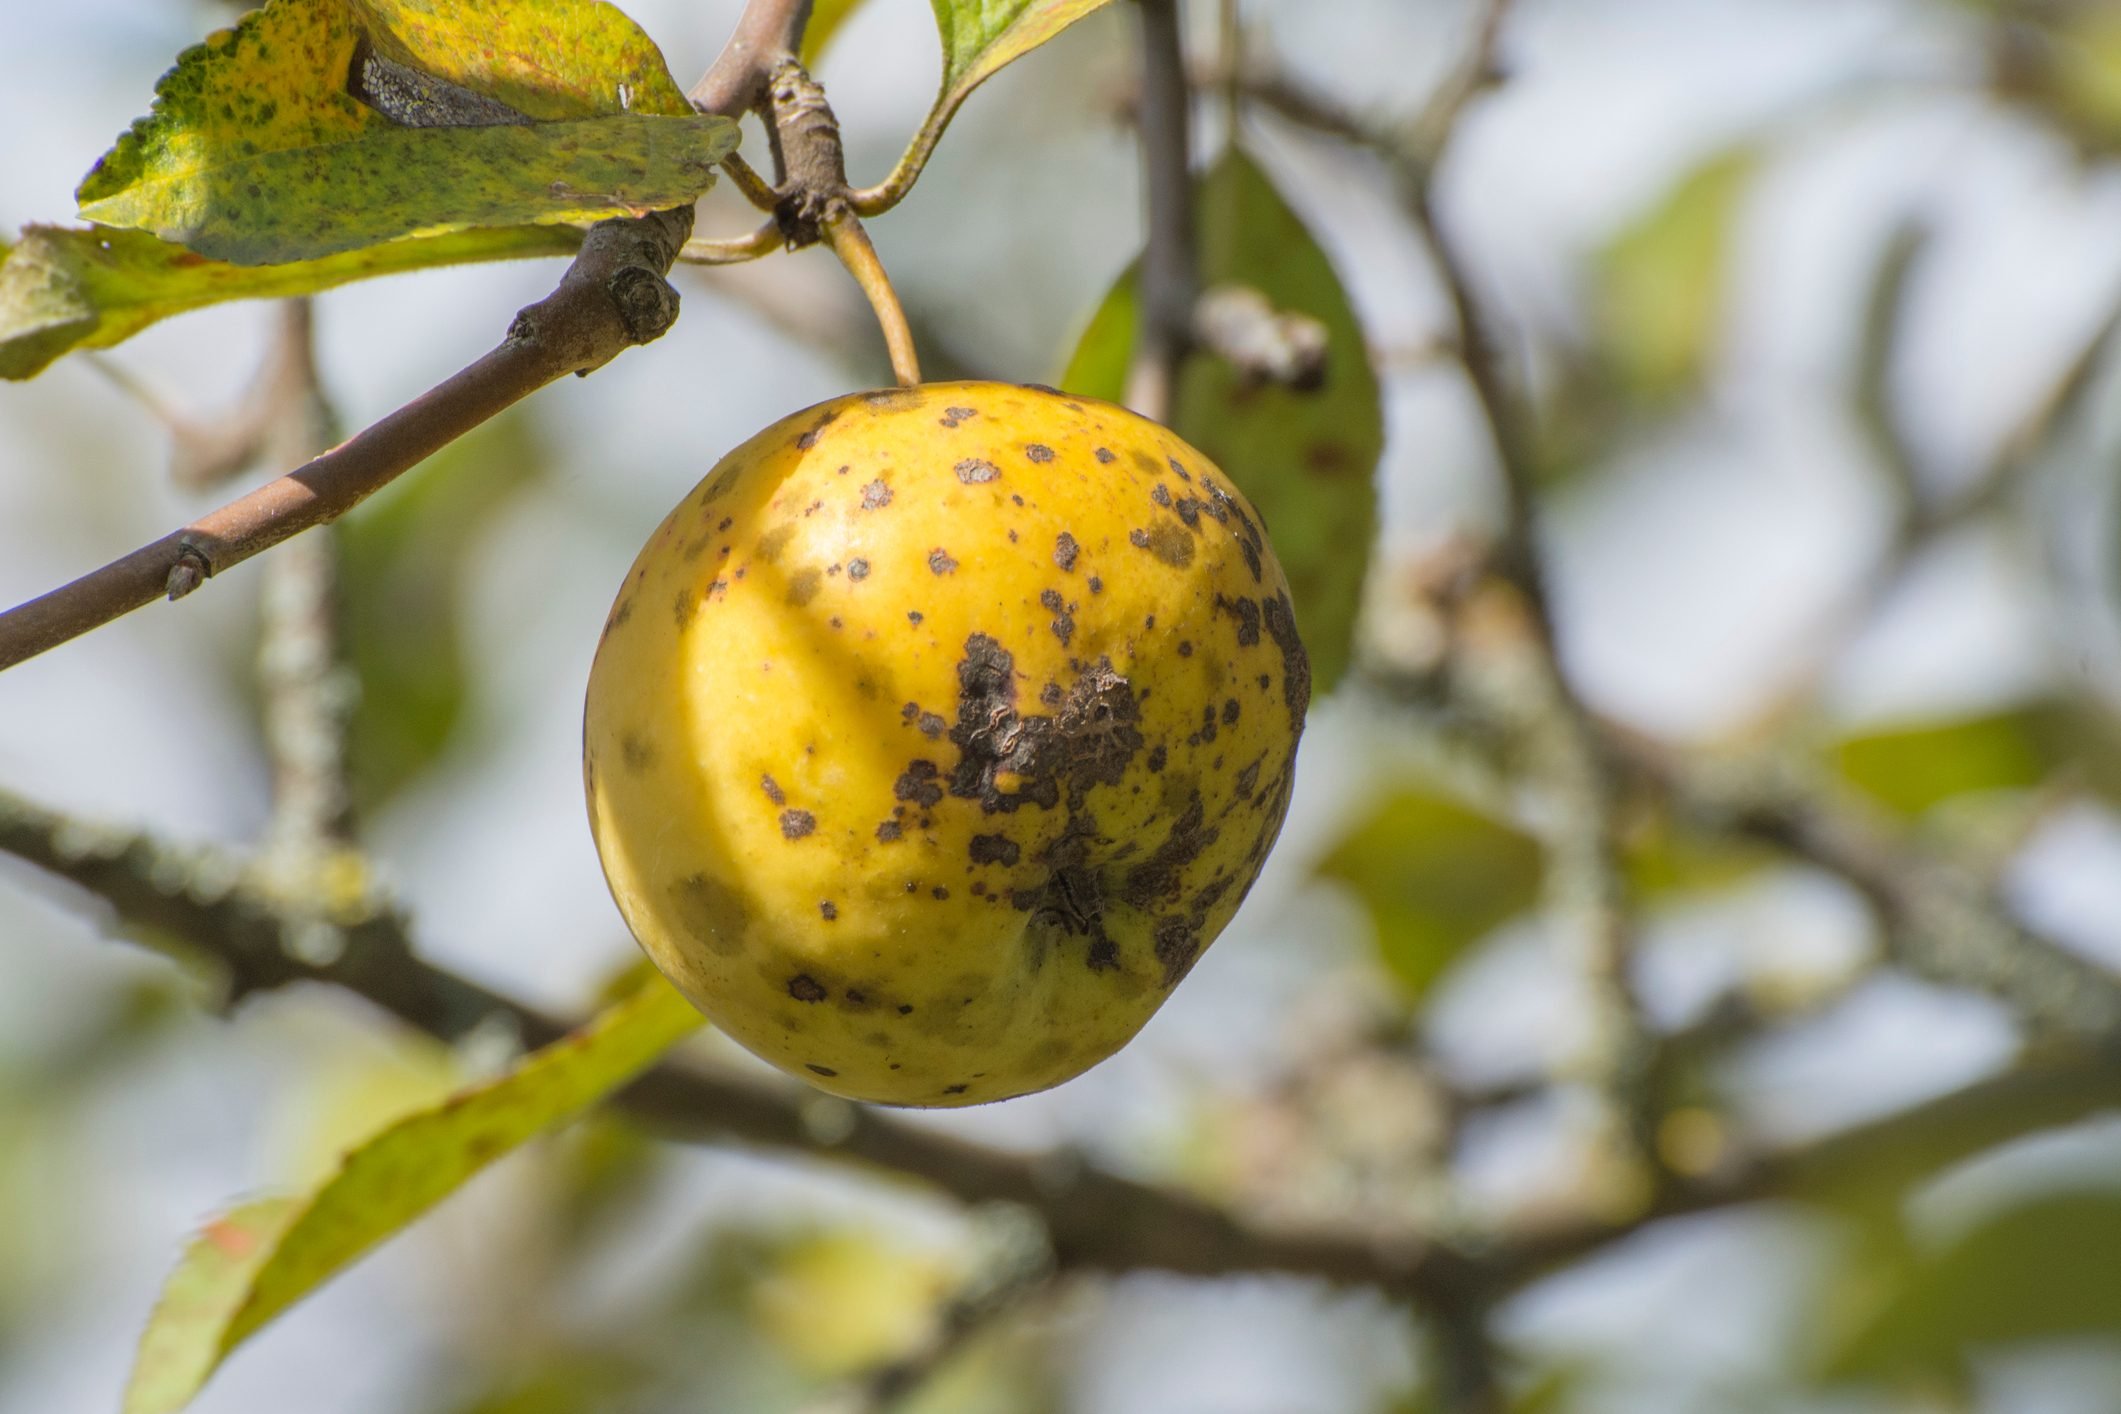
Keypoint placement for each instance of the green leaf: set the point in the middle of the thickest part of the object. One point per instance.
(62, 289)
(403, 560)
(1660, 283)
(1912, 767)
(2048, 1268)
(1105, 349)
(1307, 458)
(826, 17)
(318, 126)
(979, 38)
(260, 1259)
(1437, 877)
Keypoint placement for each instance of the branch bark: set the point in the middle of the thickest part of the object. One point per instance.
(613, 297)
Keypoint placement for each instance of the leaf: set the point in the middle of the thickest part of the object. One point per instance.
(403, 558)
(1306, 458)
(979, 38)
(1105, 349)
(254, 1263)
(1437, 877)
(1912, 767)
(1660, 290)
(2049, 1267)
(62, 289)
(826, 17)
(318, 126)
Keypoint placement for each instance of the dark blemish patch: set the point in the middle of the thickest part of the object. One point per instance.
(995, 849)
(939, 561)
(1050, 694)
(1168, 542)
(712, 912)
(1097, 586)
(835, 621)
(636, 751)
(809, 439)
(1230, 712)
(905, 1009)
(890, 832)
(1188, 511)
(1103, 955)
(1088, 742)
(803, 586)
(797, 823)
(1247, 615)
(1265, 681)
(920, 783)
(1105, 457)
(876, 495)
(773, 790)
(1051, 601)
(1157, 757)
(1183, 474)
(1160, 494)
(973, 471)
(727, 521)
(1146, 464)
(1044, 388)
(1177, 944)
(622, 613)
(844, 469)
(828, 910)
(1156, 879)
(825, 1070)
(914, 616)
(1039, 452)
(805, 988)
(857, 999)
(955, 1089)
(1016, 499)
(1185, 648)
(1248, 779)
(932, 725)
(857, 568)
(953, 416)
(1012, 537)
(939, 892)
(1280, 619)
(1065, 550)
(681, 608)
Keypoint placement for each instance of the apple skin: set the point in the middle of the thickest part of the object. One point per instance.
(936, 733)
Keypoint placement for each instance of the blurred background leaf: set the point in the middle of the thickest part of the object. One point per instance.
(1436, 876)
(404, 561)
(1660, 294)
(2044, 1268)
(1306, 457)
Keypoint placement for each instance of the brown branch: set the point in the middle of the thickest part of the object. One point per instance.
(1169, 280)
(612, 297)
(306, 689)
(214, 906)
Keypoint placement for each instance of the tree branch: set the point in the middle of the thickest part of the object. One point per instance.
(613, 297)
(1169, 280)
(210, 902)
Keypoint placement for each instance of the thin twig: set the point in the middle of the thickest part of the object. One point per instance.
(1169, 280)
(735, 250)
(746, 179)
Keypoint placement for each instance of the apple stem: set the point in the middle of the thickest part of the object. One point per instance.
(843, 231)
